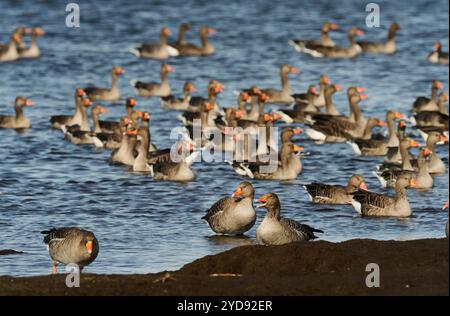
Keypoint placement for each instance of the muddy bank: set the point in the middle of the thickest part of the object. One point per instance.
(417, 267)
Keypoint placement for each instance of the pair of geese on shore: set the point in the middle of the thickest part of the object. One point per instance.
(17, 49)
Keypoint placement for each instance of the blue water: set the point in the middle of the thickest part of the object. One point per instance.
(146, 226)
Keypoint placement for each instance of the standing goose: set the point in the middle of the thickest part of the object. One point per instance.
(58, 121)
(423, 179)
(374, 204)
(427, 104)
(434, 118)
(153, 89)
(9, 52)
(33, 51)
(306, 46)
(181, 41)
(276, 230)
(335, 194)
(352, 51)
(367, 146)
(437, 56)
(105, 94)
(156, 50)
(283, 96)
(205, 50)
(171, 102)
(233, 215)
(80, 137)
(387, 47)
(113, 126)
(71, 245)
(19, 121)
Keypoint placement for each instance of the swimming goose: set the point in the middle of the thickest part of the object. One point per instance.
(283, 96)
(143, 143)
(33, 50)
(427, 104)
(352, 51)
(405, 161)
(80, 137)
(305, 46)
(276, 230)
(302, 110)
(437, 56)
(423, 179)
(156, 50)
(9, 52)
(125, 154)
(330, 108)
(434, 118)
(393, 153)
(173, 103)
(374, 204)
(184, 27)
(153, 89)
(368, 146)
(58, 121)
(105, 94)
(205, 50)
(113, 126)
(71, 245)
(387, 47)
(19, 121)
(214, 88)
(335, 194)
(233, 215)
(112, 140)
(435, 164)
(83, 124)
(319, 100)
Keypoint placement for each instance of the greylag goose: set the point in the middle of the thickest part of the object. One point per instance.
(113, 126)
(446, 226)
(71, 245)
(205, 50)
(319, 100)
(173, 103)
(435, 164)
(19, 121)
(330, 108)
(352, 51)
(305, 46)
(184, 27)
(58, 121)
(335, 194)
(33, 50)
(374, 204)
(387, 47)
(214, 88)
(233, 215)
(393, 153)
(112, 140)
(427, 104)
(154, 89)
(434, 118)
(283, 96)
(79, 137)
(302, 110)
(82, 123)
(159, 50)
(105, 94)
(9, 52)
(125, 154)
(405, 161)
(423, 179)
(142, 145)
(368, 146)
(437, 56)
(288, 166)
(276, 230)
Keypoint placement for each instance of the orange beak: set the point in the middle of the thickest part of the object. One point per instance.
(170, 68)
(445, 206)
(127, 120)
(326, 80)
(167, 32)
(363, 186)
(237, 193)
(295, 70)
(297, 148)
(262, 200)
(360, 89)
(382, 123)
(440, 85)
(443, 138)
(239, 114)
(245, 96)
(267, 118)
(146, 116)
(338, 87)
(87, 102)
(413, 183)
(264, 97)
(219, 88)
(104, 110)
(192, 88)
(402, 123)
(29, 103)
(119, 70)
(427, 152)
(359, 32)
(81, 93)
(363, 96)
(211, 31)
(414, 144)
(297, 131)
(334, 26)
(133, 102)
(256, 91)
(314, 91)
(132, 132)
(89, 246)
(209, 107)
(399, 115)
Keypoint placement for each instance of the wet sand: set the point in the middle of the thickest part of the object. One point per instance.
(417, 267)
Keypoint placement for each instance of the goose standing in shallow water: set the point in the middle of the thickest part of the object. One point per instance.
(437, 56)
(335, 194)
(374, 204)
(71, 245)
(105, 94)
(387, 47)
(276, 230)
(19, 121)
(153, 89)
(156, 50)
(233, 215)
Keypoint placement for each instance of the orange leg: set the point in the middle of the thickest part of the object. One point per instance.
(54, 270)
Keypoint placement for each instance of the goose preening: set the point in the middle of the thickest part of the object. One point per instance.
(308, 45)
(437, 56)
(277, 230)
(172, 102)
(19, 121)
(159, 50)
(154, 89)
(71, 245)
(428, 104)
(388, 47)
(374, 204)
(33, 50)
(352, 51)
(206, 47)
(106, 94)
(57, 121)
(335, 194)
(233, 215)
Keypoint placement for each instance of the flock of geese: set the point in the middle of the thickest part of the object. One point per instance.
(234, 129)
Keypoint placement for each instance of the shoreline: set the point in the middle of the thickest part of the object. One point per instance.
(416, 267)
